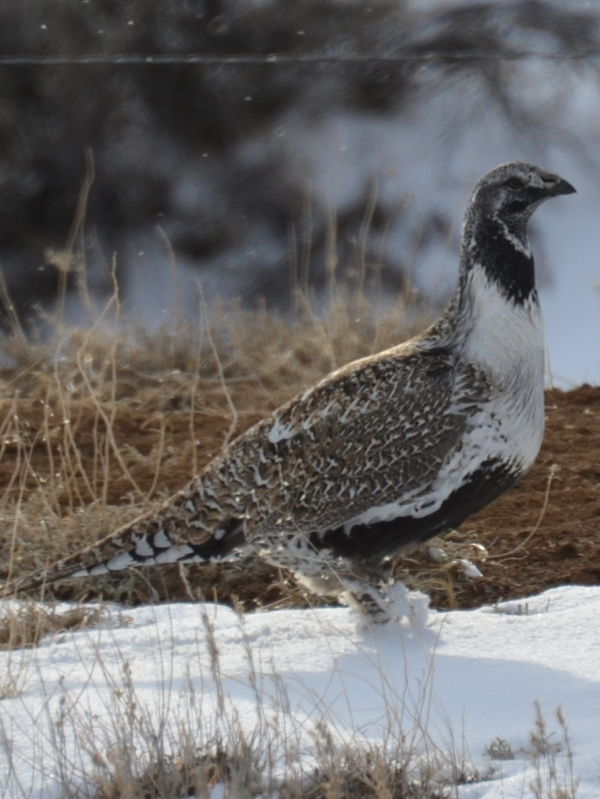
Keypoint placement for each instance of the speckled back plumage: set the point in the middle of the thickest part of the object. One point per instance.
(387, 451)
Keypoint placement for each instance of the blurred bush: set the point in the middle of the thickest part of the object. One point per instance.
(191, 147)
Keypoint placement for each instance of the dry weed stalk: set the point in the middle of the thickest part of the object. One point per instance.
(552, 759)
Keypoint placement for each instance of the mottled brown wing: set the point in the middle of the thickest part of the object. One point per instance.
(362, 437)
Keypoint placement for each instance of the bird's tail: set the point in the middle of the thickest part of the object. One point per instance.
(150, 540)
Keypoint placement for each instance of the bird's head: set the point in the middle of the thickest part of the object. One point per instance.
(510, 193)
(495, 229)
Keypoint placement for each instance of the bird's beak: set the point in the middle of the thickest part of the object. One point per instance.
(555, 185)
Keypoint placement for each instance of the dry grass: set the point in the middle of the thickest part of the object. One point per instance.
(23, 625)
(353, 775)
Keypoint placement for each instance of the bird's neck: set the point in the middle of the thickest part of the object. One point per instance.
(497, 268)
(504, 255)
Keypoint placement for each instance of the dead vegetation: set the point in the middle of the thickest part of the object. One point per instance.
(353, 775)
(218, 754)
(23, 625)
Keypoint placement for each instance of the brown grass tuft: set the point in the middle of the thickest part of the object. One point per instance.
(22, 626)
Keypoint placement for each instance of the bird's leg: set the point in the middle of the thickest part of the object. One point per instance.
(368, 600)
(360, 586)
(379, 600)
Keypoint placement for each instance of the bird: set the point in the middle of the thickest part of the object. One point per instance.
(386, 452)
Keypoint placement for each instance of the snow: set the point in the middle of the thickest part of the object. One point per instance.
(465, 682)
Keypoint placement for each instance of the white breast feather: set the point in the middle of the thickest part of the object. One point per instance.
(507, 342)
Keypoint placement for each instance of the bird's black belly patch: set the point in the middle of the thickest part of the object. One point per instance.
(375, 541)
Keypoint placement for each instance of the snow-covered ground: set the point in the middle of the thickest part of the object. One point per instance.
(467, 682)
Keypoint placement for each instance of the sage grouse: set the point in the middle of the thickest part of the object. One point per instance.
(385, 452)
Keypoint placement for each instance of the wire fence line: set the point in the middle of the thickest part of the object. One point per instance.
(159, 59)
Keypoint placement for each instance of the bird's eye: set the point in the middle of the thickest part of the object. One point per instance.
(515, 183)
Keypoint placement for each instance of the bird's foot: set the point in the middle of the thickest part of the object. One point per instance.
(388, 603)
